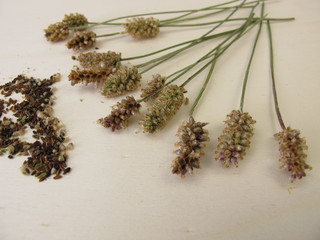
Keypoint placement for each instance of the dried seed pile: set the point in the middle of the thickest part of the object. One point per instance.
(47, 155)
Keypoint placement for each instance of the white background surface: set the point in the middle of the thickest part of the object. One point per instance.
(120, 186)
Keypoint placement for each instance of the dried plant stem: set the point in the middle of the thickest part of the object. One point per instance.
(275, 97)
(250, 61)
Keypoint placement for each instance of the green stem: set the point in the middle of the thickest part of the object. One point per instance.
(109, 34)
(223, 9)
(170, 55)
(250, 61)
(178, 45)
(276, 104)
(229, 20)
(203, 87)
(161, 59)
(243, 30)
(170, 12)
(107, 23)
(186, 69)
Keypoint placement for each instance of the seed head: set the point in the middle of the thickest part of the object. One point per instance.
(57, 32)
(163, 109)
(292, 153)
(121, 114)
(142, 28)
(122, 81)
(75, 20)
(82, 40)
(153, 86)
(190, 147)
(99, 61)
(235, 140)
(88, 76)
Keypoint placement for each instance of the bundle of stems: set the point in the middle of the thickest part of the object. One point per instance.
(165, 97)
(137, 25)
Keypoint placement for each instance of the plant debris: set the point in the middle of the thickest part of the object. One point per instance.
(47, 155)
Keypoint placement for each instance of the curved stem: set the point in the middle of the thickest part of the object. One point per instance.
(213, 63)
(250, 61)
(276, 104)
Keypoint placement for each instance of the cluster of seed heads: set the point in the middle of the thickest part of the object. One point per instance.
(163, 109)
(83, 40)
(57, 32)
(121, 114)
(292, 153)
(142, 28)
(192, 136)
(60, 31)
(47, 155)
(75, 20)
(153, 87)
(97, 67)
(89, 76)
(124, 80)
(235, 140)
(99, 61)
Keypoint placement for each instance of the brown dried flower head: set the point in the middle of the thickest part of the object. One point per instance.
(99, 61)
(121, 114)
(292, 153)
(124, 80)
(57, 32)
(89, 76)
(75, 20)
(163, 109)
(142, 28)
(82, 40)
(235, 140)
(192, 136)
(153, 86)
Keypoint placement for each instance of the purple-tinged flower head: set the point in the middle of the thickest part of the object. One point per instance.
(292, 153)
(235, 140)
